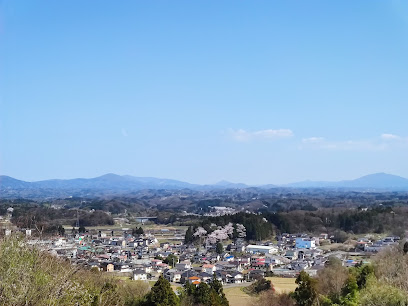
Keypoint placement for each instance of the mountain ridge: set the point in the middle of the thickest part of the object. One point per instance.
(111, 181)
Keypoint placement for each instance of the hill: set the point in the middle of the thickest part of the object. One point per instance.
(113, 184)
(378, 181)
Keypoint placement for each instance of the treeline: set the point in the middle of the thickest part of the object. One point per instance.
(50, 220)
(377, 219)
(337, 222)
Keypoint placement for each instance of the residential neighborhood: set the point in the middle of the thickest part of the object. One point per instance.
(143, 257)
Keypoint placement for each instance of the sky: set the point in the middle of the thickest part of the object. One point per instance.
(201, 91)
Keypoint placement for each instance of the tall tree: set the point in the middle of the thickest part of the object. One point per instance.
(218, 292)
(171, 260)
(365, 272)
(202, 294)
(219, 248)
(306, 293)
(162, 294)
(350, 292)
(189, 238)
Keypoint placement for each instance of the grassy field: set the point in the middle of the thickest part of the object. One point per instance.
(237, 297)
(282, 284)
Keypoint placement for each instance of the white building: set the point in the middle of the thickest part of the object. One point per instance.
(305, 243)
(262, 249)
(139, 275)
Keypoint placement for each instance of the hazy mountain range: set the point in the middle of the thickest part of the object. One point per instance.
(127, 183)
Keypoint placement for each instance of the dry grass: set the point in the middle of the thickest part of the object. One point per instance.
(283, 284)
(237, 297)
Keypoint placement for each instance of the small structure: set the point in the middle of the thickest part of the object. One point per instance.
(262, 249)
(139, 275)
(305, 243)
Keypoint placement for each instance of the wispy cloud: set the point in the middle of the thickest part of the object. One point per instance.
(383, 142)
(313, 140)
(269, 134)
(386, 136)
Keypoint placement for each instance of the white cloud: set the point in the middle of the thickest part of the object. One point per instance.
(269, 134)
(386, 136)
(313, 140)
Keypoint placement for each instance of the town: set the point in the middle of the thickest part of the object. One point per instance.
(140, 254)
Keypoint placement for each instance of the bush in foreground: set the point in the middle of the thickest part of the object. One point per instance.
(29, 276)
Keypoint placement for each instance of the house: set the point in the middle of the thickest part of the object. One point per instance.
(257, 258)
(181, 266)
(324, 236)
(276, 260)
(94, 265)
(110, 267)
(261, 249)
(305, 243)
(236, 278)
(195, 280)
(187, 274)
(159, 268)
(172, 275)
(205, 277)
(207, 268)
(156, 262)
(139, 275)
(256, 274)
(291, 254)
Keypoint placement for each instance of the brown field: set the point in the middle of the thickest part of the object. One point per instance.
(237, 297)
(283, 284)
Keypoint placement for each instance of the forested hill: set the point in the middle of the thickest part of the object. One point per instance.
(110, 184)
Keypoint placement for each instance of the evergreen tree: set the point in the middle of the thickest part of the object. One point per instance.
(171, 260)
(189, 237)
(350, 292)
(219, 248)
(306, 293)
(202, 294)
(161, 294)
(365, 272)
(137, 231)
(220, 297)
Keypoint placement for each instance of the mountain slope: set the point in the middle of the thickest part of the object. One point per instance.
(113, 183)
(107, 181)
(12, 183)
(377, 180)
(373, 181)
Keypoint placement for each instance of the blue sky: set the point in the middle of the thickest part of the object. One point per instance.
(247, 91)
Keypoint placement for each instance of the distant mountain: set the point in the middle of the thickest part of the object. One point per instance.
(9, 182)
(226, 184)
(380, 181)
(108, 182)
(126, 184)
